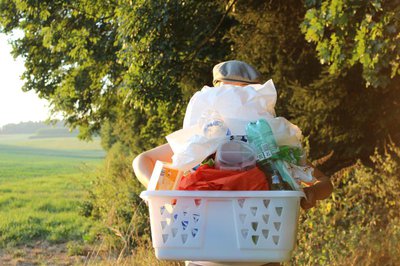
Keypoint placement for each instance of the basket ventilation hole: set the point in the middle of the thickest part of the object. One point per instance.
(254, 225)
(164, 237)
(185, 213)
(197, 202)
(196, 217)
(255, 239)
(163, 224)
(184, 238)
(277, 226)
(241, 202)
(266, 203)
(194, 232)
(242, 217)
(174, 231)
(265, 218)
(275, 239)
(175, 216)
(169, 208)
(184, 224)
(162, 210)
(253, 210)
(265, 233)
(279, 210)
(245, 232)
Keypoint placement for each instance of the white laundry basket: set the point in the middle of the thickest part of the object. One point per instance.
(241, 226)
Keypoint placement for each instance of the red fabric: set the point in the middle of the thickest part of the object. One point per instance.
(206, 178)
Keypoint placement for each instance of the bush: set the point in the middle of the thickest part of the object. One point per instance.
(114, 199)
(360, 224)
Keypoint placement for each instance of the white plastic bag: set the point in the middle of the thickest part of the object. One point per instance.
(301, 173)
(285, 132)
(193, 144)
(236, 105)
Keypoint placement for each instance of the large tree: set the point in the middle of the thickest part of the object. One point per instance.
(130, 64)
(357, 99)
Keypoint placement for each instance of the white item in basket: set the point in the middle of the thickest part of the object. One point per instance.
(301, 173)
(236, 105)
(192, 145)
(285, 133)
(164, 177)
(224, 226)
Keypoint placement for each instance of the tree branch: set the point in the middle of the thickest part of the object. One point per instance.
(205, 40)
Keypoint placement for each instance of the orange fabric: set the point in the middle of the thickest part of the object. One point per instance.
(206, 178)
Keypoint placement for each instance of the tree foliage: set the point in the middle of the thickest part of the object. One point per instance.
(332, 107)
(356, 32)
(70, 56)
(131, 66)
(360, 224)
(119, 61)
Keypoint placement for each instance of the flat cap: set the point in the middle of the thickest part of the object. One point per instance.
(235, 71)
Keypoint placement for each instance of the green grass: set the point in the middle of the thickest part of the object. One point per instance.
(64, 143)
(41, 185)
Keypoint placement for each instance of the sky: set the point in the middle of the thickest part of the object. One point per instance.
(15, 105)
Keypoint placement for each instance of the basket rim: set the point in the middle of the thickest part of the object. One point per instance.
(147, 194)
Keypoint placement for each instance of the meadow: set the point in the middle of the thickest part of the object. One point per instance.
(42, 182)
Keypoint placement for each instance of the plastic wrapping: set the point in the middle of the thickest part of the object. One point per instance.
(193, 144)
(235, 155)
(236, 105)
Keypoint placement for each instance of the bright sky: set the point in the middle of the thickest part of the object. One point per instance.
(15, 105)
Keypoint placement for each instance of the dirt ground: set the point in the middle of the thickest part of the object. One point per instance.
(42, 253)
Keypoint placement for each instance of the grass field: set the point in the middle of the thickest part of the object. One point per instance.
(42, 182)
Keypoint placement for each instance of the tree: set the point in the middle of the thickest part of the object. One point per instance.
(359, 41)
(117, 61)
(333, 108)
(70, 56)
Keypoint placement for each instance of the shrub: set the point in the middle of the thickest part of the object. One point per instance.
(114, 199)
(360, 223)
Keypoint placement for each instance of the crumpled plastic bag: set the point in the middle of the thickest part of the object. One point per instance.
(206, 178)
(301, 173)
(236, 105)
(193, 144)
(285, 132)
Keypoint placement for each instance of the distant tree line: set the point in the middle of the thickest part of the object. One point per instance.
(22, 128)
(39, 129)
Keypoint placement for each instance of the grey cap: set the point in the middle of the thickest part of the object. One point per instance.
(235, 71)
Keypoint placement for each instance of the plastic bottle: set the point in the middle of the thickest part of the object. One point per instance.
(277, 183)
(213, 125)
(261, 137)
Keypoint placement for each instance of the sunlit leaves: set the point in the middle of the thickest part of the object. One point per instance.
(360, 223)
(350, 32)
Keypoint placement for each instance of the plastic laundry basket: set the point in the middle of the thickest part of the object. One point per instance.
(241, 226)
